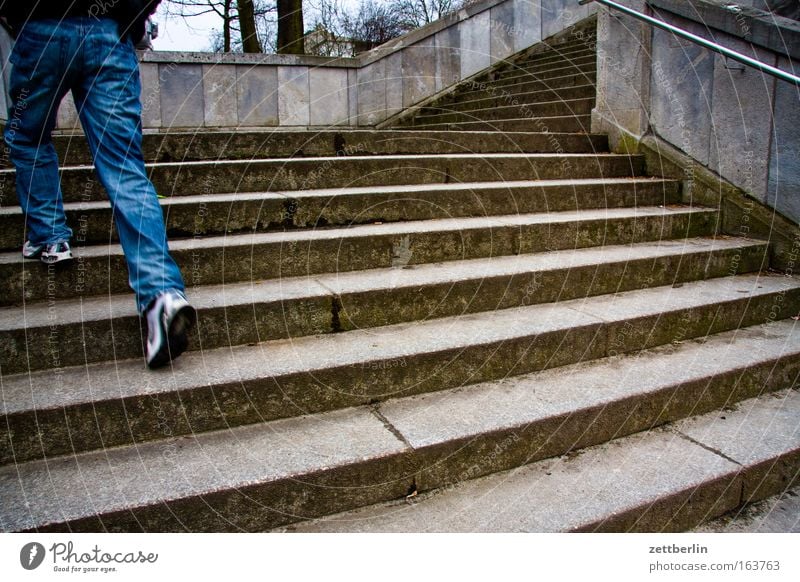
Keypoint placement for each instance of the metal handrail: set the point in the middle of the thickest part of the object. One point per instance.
(774, 71)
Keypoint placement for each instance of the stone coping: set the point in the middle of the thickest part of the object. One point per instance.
(779, 34)
(206, 58)
(427, 31)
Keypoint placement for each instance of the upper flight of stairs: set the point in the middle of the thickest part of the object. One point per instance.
(515, 329)
(549, 90)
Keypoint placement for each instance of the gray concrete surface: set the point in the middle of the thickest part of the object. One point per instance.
(657, 481)
(267, 255)
(777, 514)
(236, 479)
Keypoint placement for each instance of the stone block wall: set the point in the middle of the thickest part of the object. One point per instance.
(732, 119)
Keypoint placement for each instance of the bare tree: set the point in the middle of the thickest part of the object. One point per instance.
(373, 24)
(254, 17)
(186, 9)
(416, 13)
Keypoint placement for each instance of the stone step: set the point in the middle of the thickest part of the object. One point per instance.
(554, 54)
(541, 60)
(547, 95)
(97, 329)
(546, 52)
(478, 90)
(267, 475)
(80, 184)
(665, 480)
(572, 123)
(215, 214)
(562, 53)
(559, 108)
(585, 70)
(256, 256)
(575, 62)
(118, 402)
(182, 146)
(777, 514)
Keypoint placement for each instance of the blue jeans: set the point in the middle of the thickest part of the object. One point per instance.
(87, 57)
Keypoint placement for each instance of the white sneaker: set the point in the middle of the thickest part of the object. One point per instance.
(30, 251)
(169, 319)
(50, 253)
(56, 253)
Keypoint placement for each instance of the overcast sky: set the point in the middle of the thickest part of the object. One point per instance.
(177, 34)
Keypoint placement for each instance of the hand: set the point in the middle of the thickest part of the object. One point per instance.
(9, 29)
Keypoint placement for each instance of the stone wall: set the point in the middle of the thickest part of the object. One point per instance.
(734, 120)
(202, 90)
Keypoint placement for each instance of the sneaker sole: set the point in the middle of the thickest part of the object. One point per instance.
(177, 337)
(54, 260)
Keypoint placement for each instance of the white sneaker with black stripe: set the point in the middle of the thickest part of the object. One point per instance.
(169, 319)
(56, 253)
(50, 253)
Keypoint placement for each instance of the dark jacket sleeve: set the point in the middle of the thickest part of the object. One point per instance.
(130, 15)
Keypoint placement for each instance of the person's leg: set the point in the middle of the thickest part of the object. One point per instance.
(107, 96)
(38, 82)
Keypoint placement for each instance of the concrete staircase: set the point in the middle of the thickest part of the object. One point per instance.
(443, 327)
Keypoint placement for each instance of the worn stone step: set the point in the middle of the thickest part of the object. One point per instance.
(586, 70)
(555, 88)
(263, 476)
(544, 53)
(257, 256)
(583, 63)
(540, 60)
(559, 108)
(574, 62)
(118, 403)
(215, 214)
(477, 90)
(562, 53)
(666, 480)
(177, 146)
(555, 55)
(106, 328)
(452, 104)
(79, 184)
(779, 513)
(572, 123)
